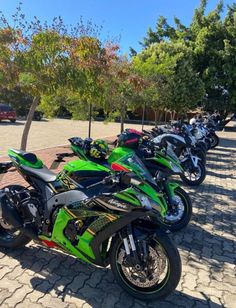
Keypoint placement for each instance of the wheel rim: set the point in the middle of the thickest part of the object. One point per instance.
(7, 232)
(193, 176)
(178, 213)
(148, 280)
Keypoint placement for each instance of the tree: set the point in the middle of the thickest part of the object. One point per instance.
(45, 69)
(18, 99)
(212, 41)
(229, 58)
(49, 60)
(90, 57)
(174, 83)
(122, 86)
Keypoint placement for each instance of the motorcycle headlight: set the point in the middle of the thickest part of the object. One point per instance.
(199, 135)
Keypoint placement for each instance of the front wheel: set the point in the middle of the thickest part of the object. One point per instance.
(193, 176)
(200, 153)
(179, 217)
(214, 141)
(208, 143)
(157, 273)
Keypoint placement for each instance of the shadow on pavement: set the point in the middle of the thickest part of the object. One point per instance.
(227, 143)
(222, 176)
(66, 278)
(7, 123)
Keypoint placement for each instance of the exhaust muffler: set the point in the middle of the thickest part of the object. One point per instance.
(11, 216)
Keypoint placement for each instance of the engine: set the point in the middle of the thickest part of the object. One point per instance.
(31, 211)
(73, 229)
(27, 203)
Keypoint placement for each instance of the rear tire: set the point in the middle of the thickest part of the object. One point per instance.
(12, 241)
(161, 242)
(10, 238)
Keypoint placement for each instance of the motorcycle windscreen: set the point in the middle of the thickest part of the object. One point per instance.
(134, 164)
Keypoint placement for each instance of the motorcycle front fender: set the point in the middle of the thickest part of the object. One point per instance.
(195, 160)
(172, 187)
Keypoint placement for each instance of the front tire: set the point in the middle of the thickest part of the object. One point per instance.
(208, 144)
(162, 248)
(214, 141)
(175, 222)
(201, 154)
(194, 178)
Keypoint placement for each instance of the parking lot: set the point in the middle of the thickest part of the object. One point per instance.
(50, 133)
(37, 277)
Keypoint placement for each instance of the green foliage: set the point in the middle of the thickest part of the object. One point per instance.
(173, 82)
(18, 100)
(71, 68)
(212, 42)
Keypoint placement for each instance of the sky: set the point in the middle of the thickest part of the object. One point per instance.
(126, 20)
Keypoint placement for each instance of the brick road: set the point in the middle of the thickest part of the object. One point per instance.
(37, 277)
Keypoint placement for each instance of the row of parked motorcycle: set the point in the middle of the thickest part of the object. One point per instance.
(114, 205)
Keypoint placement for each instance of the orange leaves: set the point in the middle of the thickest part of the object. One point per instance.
(6, 36)
(138, 82)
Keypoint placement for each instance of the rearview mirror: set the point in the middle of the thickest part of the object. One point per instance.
(130, 178)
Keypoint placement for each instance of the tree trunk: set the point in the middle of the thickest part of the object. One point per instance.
(90, 120)
(165, 116)
(143, 116)
(122, 118)
(155, 117)
(161, 114)
(173, 114)
(29, 119)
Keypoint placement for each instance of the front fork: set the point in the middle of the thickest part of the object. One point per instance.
(169, 190)
(130, 246)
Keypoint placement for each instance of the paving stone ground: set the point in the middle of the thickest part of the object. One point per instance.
(37, 277)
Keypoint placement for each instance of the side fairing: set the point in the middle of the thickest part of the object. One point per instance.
(84, 166)
(87, 219)
(78, 151)
(117, 153)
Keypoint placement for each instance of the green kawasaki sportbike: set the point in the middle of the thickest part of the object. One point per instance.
(154, 168)
(113, 227)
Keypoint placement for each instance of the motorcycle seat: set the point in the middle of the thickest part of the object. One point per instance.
(30, 157)
(43, 173)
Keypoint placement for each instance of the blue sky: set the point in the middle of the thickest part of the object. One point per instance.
(127, 19)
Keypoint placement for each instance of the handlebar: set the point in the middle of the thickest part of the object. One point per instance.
(112, 179)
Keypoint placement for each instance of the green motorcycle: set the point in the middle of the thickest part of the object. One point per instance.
(116, 228)
(175, 201)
